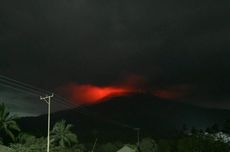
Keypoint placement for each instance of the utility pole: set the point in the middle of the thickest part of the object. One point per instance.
(47, 99)
(138, 138)
(94, 145)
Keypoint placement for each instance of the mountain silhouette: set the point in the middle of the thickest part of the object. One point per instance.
(119, 116)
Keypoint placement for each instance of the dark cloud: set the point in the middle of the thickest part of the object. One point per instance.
(50, 43)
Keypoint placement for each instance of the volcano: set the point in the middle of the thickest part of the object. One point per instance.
(119, 116)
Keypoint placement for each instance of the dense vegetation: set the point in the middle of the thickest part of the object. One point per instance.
(213, 139)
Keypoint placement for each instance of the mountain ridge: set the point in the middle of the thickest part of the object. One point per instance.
(155, 116)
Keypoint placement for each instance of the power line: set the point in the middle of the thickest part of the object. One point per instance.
(14, 85)
(20, 87)
(59, 99)
(17, 85)
(25, 84)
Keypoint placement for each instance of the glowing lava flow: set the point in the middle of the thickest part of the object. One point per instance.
(89, 94)
(173, 92)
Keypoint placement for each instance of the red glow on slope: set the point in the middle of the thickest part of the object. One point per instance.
(173, 92)
(166, 94)
(89, 94)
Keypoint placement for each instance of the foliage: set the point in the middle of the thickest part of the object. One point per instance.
(39, 145)
(108, 147)
(165, 145)
(226, 127)
(7, 122)
(201, 144)
(77, 148)
(148, 145)
(1, 141)
(64, 140)
(61, 134)
(25, 138)
(5, 149)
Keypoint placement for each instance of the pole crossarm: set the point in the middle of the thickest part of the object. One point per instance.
(46, 97)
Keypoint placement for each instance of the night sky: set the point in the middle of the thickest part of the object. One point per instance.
(174, 49)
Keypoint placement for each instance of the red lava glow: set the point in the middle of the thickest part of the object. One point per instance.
(173, 92)
(90, 94)
(165, 94)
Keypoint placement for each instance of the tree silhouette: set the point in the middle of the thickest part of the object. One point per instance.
(7, 122)
(61, 134)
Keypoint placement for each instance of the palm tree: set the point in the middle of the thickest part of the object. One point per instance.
(7, 122)
(25, 138)
(62, 134)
